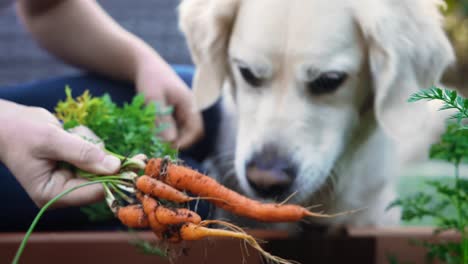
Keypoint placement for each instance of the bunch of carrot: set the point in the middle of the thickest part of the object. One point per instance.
(164, 181)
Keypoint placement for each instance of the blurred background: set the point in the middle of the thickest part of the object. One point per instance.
(156, 22)
(456, 25)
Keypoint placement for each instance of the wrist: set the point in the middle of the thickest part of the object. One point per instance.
(148, 63)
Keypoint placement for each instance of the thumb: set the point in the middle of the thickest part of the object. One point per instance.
(81, 153)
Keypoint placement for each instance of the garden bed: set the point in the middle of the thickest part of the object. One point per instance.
(359, 246)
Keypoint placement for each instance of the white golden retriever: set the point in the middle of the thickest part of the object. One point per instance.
(315, 94)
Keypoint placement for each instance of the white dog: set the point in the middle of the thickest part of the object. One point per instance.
(315, 94)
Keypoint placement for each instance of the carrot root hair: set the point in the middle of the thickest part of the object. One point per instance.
(322, 215)
(288, 198)
(254, 243)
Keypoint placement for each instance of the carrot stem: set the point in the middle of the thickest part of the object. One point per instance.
(120, 193)
(122, 176)
(128, 162)
(44, 208)
(112, 177)
(125, 188)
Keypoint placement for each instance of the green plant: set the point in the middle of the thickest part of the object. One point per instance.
(452, 196)
(128, 130)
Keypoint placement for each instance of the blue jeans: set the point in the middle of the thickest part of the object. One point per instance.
(16, 208)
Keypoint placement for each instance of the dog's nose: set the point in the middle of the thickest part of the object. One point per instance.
(269, 173)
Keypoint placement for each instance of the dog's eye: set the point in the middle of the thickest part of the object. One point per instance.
(327, 82)
(249, 77)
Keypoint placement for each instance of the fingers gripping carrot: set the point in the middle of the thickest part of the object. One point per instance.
(183, 178)
(133, 216)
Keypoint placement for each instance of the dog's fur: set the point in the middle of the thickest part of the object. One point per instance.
(343, 142)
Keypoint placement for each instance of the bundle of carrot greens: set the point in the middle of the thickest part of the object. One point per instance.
(153, 193)
(127, 130)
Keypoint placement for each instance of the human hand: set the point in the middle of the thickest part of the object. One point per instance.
(32, 142)
(159, 83)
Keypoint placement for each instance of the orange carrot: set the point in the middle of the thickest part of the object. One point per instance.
(191, 231)
(161, 190)
(149, 207)
(184, 178)
(167, 216)
(133, 216)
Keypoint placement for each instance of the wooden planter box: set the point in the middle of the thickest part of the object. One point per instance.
(360, 246)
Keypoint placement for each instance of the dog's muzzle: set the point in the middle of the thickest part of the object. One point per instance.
(270, 173)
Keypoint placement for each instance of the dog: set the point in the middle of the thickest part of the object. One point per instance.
(314, 96)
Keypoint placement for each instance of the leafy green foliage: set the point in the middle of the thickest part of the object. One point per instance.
(452, 147)
(126, 130)
(448, 252)
(417, 206)
(450, 98)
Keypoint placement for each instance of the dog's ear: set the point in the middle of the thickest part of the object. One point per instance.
(207, 26)
(408, 50)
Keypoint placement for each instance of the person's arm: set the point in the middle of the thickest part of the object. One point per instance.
(82, 34)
